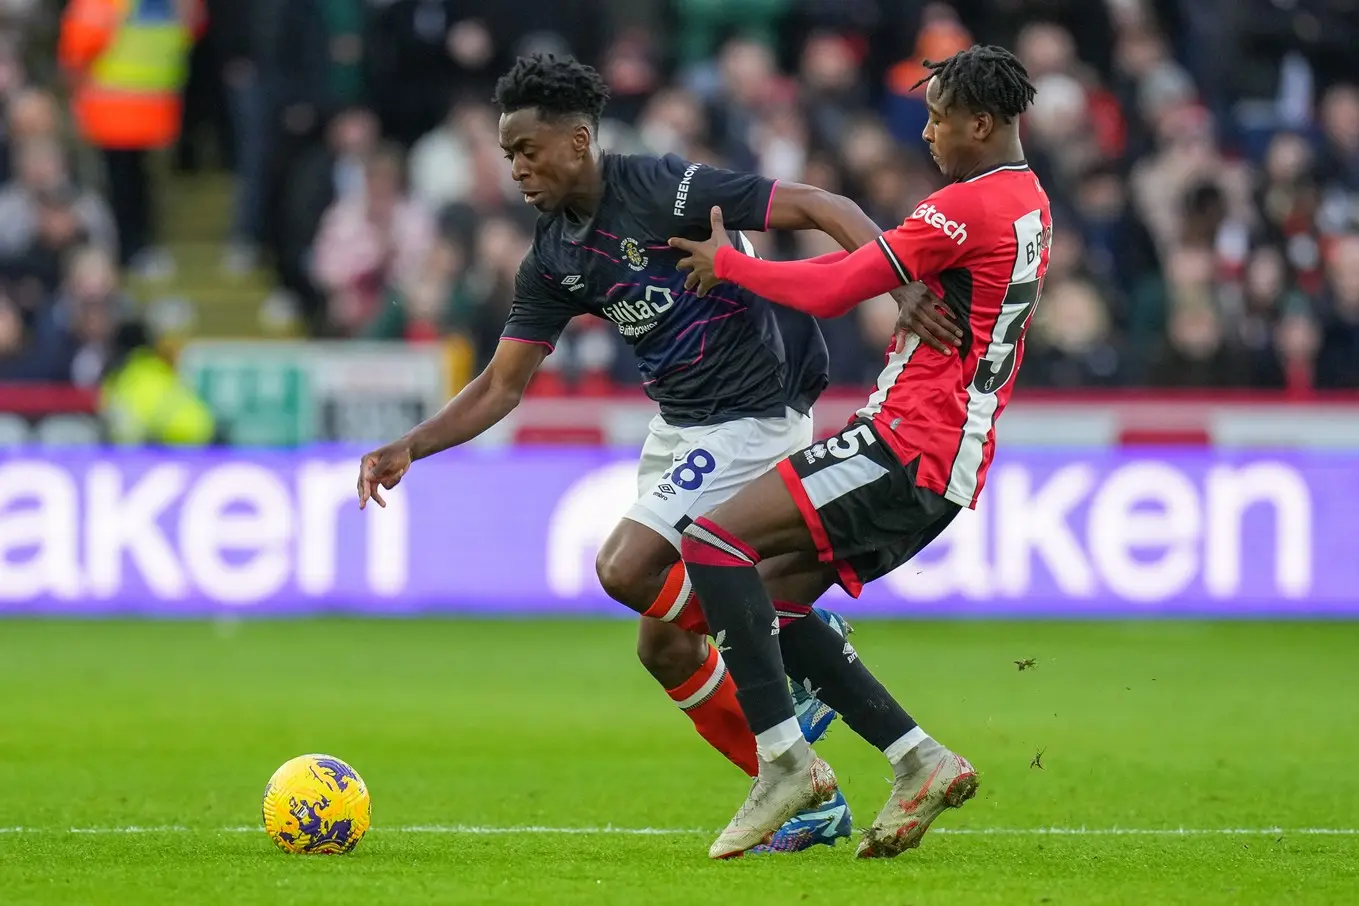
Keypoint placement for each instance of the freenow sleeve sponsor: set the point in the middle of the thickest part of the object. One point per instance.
(1057, 534)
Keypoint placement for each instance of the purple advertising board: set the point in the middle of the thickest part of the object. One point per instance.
(515, 531)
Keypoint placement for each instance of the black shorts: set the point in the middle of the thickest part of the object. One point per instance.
(863, 507)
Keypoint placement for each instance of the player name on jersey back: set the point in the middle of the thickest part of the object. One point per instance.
(982, 246)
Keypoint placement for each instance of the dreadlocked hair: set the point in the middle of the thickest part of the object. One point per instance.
(984, 79)
(555, 86)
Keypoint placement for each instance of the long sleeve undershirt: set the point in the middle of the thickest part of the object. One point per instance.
(826, 286)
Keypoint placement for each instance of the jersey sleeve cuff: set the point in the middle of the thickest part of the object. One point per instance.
(901, 271)
(550, 346)
(722, 262)
(769, 205)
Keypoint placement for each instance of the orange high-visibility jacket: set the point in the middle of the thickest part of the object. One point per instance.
(130, 60)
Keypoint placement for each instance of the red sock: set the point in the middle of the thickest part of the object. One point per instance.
(676, 602)
(709, 698)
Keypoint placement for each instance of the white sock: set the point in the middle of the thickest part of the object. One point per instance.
(903, 746)
(778, 739)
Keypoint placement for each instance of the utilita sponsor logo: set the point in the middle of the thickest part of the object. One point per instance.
(1144, 532)
(236, 533)
(936, 218)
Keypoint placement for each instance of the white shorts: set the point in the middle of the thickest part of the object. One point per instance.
(685, 472)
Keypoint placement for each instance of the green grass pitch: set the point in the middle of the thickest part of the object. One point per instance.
(512, 729)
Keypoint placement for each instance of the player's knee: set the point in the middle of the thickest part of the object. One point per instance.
(670, 654)
(620, 577)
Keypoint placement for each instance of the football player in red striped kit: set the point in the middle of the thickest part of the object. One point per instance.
(870, 498)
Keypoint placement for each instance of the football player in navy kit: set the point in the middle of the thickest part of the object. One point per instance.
(734, 375)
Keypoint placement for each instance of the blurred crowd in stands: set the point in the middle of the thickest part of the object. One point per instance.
(1202, 157)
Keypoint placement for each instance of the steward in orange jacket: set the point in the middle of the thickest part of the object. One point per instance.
(130, 61)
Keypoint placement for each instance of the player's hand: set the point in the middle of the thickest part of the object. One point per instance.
(923, 313)
(385, 466)
(702, 260)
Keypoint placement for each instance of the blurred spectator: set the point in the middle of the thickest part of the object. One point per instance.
(747, 81)
(673, 122)
(86, 314)
(57, 232)
(424, 53)
(1071, 340)
(309, 184)
(243, 32)
(369, 242)
(631, 69)
(461, 160)
(1195, 353)
(144, 401)
(1338, 357)
(1340, 126)
(41, 168)
(129, 64)
(500, 245)
(25, 353)
(941, 34)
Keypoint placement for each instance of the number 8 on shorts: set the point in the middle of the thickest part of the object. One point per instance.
(689, 473)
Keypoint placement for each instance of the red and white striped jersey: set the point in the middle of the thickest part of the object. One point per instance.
(982, 246)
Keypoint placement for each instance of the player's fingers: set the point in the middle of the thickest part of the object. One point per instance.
(363, 482)
(377, 498)
(690, 281)
(934, 331)
(716, 215)
(943, 322)
(899, 339)
(931, 340)
(946, 317)
(675, 242)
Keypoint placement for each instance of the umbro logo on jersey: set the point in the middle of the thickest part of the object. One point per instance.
(573, 283)
(936, 218)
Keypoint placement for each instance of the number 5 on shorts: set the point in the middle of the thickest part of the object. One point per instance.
(846, 444)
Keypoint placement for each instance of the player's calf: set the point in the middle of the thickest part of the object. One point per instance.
(670, 654)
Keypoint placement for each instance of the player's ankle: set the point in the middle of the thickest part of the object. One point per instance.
(783, 745)
(907, 752)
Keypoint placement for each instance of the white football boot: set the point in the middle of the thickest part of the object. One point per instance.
(794, 781)
(929, 779)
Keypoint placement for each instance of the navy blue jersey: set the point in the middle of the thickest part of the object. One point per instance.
(725, 356)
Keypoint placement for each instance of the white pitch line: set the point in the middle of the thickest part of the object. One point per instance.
(477, 830)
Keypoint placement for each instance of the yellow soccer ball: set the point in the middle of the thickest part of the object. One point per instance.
(316, 804)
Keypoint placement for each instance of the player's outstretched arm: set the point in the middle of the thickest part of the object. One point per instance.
(826, 287)
(795, 206)
(488, 398)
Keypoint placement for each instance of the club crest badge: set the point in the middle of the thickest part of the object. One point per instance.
(632, 254)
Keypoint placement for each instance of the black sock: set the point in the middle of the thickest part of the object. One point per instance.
(741, 619)
(815, 653)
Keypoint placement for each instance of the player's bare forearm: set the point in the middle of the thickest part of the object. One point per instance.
(487, 398)
(800, 207)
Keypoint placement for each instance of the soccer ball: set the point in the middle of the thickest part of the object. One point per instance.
(316, 804)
